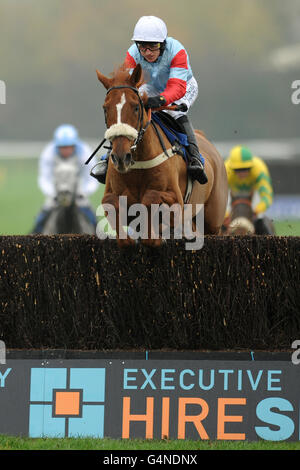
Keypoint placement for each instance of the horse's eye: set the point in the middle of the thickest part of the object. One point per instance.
(136, 109)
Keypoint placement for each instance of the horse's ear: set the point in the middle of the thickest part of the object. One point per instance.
(136, 76)
(144, 97)
(106, 82)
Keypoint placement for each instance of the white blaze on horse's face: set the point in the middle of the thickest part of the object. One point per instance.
(121, 129)
(119, 107)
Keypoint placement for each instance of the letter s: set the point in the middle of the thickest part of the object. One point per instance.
(285, 424)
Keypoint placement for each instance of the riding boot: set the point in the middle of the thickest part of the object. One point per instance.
(100, 169)
(195, 166)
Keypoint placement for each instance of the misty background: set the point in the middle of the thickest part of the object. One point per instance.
(243, 54)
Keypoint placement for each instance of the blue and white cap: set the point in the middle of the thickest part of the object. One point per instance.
(65, 135)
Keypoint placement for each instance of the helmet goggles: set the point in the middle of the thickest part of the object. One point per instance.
(152, 46)
(241, 170)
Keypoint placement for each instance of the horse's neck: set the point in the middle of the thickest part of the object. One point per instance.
(150, 146)
(66, 219)
(242, 210)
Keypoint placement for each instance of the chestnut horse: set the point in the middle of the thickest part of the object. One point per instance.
(139, 170)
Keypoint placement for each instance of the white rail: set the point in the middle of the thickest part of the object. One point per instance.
(284, 149)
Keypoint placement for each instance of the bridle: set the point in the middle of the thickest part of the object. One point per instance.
(141, 130)
(240, 200)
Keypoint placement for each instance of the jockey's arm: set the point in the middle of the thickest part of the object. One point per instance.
(228, 207)
(176, 84)
(45, 175)
(129, 62)
(263, 187)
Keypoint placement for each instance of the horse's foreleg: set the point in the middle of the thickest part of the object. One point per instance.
(152, 200)
(111, 207)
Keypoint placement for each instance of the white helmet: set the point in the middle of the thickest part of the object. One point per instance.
(150, 29)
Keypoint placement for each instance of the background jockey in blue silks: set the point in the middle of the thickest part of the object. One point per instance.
(66, 145)
(170, 79)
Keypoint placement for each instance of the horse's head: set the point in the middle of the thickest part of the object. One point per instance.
(242, 216)
(124, 114)
(66, 179)
(241, 226)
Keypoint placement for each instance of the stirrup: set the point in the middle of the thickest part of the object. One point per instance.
(101, 175)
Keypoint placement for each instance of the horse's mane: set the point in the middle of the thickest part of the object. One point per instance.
(121, 75)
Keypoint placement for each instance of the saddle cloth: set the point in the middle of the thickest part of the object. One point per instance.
(173, 131)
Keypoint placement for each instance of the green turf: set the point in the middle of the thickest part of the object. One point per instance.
(19, 443)
(21, 199)
(288, 228)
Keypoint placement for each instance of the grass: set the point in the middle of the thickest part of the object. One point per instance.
(20, 443)
(21, 199)
(288, 228)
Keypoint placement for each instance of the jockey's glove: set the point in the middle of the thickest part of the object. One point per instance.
(155, 102)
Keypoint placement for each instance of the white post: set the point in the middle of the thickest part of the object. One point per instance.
(2, 92)
(2, 352)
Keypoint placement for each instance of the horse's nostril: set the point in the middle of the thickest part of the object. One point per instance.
(123, 160)
(114, 158)
(127, 158)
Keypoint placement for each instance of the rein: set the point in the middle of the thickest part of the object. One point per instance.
(140, 132)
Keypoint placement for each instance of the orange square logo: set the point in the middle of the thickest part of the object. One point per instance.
(67, 403)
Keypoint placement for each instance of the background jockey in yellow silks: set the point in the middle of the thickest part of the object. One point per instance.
(249, 175)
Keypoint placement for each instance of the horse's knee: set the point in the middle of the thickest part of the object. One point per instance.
(211, 230)
(111, 199)
(153, 196)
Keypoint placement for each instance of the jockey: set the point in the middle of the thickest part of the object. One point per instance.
(249, 176)
(66, 145)
(165, 61)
